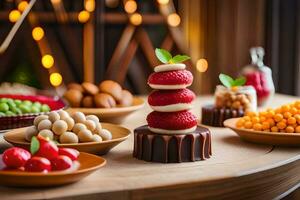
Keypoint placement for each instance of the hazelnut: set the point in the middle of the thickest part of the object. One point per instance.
(70, 122)
(30, 132)
(59, 127)
(53, 116)
(90, 124)
(79, 127)
(85, 136)
(39, 118)
(74, 97)
(97, 138)
(105, 134)
(103, 100)
(90, 88)
(46, 134)
(127, 98)
(68, 137)
(44, 124)
(111, 87)
(79, 117)
(88, 102)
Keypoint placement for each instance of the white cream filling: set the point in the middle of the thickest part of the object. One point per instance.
(165, 131)
(169, 67)
(173, 107)
(169, 87)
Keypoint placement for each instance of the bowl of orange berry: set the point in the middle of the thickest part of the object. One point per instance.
(278, 126)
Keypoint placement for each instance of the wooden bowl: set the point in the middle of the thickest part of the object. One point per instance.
(88, 164)
(119, 134)
(261, 137)
(112, 115)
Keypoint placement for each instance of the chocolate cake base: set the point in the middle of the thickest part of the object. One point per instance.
(167, 148)
(213, 116)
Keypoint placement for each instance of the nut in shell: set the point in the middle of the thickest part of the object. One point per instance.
(105, 134)
(79, 117)
(79, 127)
(59, 127)
(68, 137)
(44, 124)
(30, 132)
(70, 122)
(46, 134)
(53, 116)
(85, 136)
(97, 138)
(39, 118)
(93, 117)
(90, 124)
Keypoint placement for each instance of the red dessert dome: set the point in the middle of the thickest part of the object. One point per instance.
(168, 97)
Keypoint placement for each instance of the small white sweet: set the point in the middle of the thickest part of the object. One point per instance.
(53, 116)
(98, 128)
(78, 127)
(90, 124)
(79, 117)
(63, 114)
(105, 134)
(46, 134)
(93, 117)
(70, 121)
(44, 124)
(30, 132)
(39, 118)
(97, 138)
(59, 127)
(68, 137)
(85, 136)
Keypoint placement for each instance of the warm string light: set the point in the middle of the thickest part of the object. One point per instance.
(89, 5)
(164, 2)
(14, 15)
(22, 6)
(202, 65)
(55, 79)
(47, 61)
(136, 19)
(130, 6)
(83, 16)
(38, 33)
(173, 19)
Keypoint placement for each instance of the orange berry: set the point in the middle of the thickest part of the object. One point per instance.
(270, 114)
(255, 120)
(240, 123)
(263, 113)
(246, 118)
(262, 119)
(285, 108)
(297, 117)
(248, 124)
(278, 117)
(278, 110)
(294, 111)
(292, 120)
(257, 127)
(289, 129)
(251, 114)
(297, 129)
(281, 125)
(287, 115)
(284, 121)
(274, 129)
(265, 125)
(271, 122)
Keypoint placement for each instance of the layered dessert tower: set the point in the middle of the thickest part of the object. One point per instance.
(172, 134)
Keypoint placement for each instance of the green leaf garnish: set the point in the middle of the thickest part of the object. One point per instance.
(229, 82)
(165, 57)
(34, 145)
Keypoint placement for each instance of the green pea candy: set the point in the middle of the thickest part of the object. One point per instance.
(18, 102)
(35, 109)
(27, 102)
(11, 105)
(4, 107)
(2, 114)
(3, 100)
(37, 104)
(18, 111)
(10, 101)
(9, 113)
(45, 108)
(25, 108)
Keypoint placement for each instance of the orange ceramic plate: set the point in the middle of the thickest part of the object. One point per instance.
(119, 134)
(115, 115)
(261, 137)
(88, 164)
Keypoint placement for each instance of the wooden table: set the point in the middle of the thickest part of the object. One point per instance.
(237, 170)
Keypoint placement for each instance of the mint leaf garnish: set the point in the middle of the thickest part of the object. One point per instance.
(163, 55)
(179, 58)
(240, 81)
(229, 82)
(34, 145)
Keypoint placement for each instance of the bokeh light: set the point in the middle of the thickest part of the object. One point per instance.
(83, 16)
(47, 61)
(55, 79)
(163, 1)
(22, 6)
(89, 5)
(55, 1)
(14, 15)
(136, 19)
(130, 6)
(37, 33)
(202, 65)
(173, 19)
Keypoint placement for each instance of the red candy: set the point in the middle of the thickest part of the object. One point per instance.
(71, 153)
(176, 77)
(168, 97)
(48, 149)
(15, 157)
(171, 120)
(38, 164)
(61, 163)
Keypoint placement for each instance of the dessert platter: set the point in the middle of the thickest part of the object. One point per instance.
(279, 126)
(108, 100)
(232, 99)
(172, 134)
(45, 165)
(84, 133)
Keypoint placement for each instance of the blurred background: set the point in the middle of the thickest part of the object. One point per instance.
(63, 41)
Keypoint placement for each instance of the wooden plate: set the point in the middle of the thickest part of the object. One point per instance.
(261, 137)
(88, 164)
(113, 115)
(119, 134)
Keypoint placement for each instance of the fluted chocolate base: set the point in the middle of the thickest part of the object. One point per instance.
(213, 116)
(167, 148)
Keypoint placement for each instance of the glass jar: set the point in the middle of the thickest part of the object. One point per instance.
(259, 76)
(242, 97)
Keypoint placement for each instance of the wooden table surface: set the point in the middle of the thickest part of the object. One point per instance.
(237, 170)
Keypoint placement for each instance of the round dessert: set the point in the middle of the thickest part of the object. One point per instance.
(171, 100)
(170, 80)
(169, 67)
(181, 122)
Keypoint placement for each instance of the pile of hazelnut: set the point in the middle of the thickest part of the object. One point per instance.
(63, 128)
(108, 94)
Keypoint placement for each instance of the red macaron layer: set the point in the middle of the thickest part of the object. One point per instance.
(176, 77)
(169, 97)
(171, 120)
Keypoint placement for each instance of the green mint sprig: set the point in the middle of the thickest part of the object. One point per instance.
(34, 145)
(229, 82)
(165, 57)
